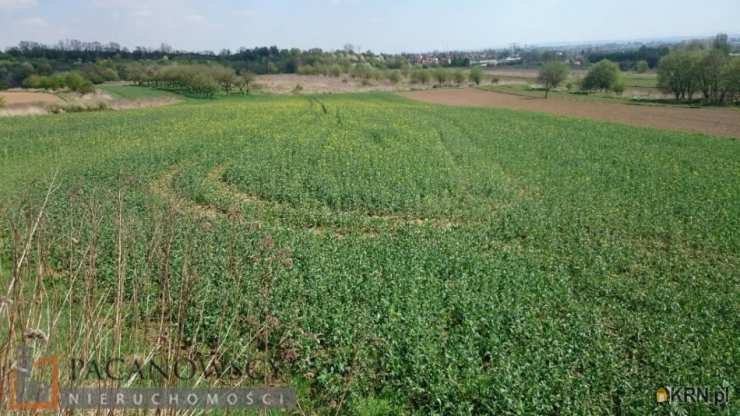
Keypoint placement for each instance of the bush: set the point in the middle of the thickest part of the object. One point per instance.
(552, 74)
(394, 76)
(459, 77)
(76, 82)
(2, 102)
(420, 76)
(603, 76)
(730, 81)
(298, 89)
(307, 70)
(642, 67)
(202, 84)
(335, 70)
(678, 74)
(476, 75)
(441, 75)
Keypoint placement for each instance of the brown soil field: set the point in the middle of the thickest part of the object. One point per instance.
(713, 121)
(318, 84)
(13, 98)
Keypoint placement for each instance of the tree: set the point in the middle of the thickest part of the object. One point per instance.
(243, 82)
(709, 71)
(476, 75)
(225, 77)
(603, 76)
(678, 73)
(731, 80)
(459, 77)
(75, 82)
(440, 74)
(202, 84)
(394, 76)
(420, 76)
(721, 43)
(642, 66)
(552, 74)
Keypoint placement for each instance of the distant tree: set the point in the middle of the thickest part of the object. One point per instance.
(710, 71)
(244, 81)
(731, 80)
(603, 76)
(335, 70)
(552, 74)
(459, 77)
(202, 84)
(420, 76)
(678, 73)
(476, 75)
(394, 76)
(76, 82)
(225, 77)
(642, 66)
(721, 43)
(440, 75)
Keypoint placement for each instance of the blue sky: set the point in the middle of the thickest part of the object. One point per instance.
(379, 25)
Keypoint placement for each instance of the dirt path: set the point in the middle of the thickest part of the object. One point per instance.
(714, 121)
(29, 97)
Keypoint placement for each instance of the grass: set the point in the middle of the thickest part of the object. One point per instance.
(635, 80)
(526, 90)
(134, 92)
(384, 256)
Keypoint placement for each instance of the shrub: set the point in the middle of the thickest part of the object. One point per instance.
(307, 70)
(730, 80)
(420, 76)
(2, 102)
(394, 76)
(244, 82)
(76, 82)
(459, 77)
(678, 74)
(335, 70)
(552, 74)
(298, 89)
(603, 76)
(642, 67)
(441, 76)
(476, 75)
(202, 84)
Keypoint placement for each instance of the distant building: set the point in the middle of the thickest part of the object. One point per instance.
(484, 62)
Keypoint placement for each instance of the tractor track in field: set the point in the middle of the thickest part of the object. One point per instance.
(163, 187)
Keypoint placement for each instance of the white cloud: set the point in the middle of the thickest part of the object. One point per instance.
(16, 4)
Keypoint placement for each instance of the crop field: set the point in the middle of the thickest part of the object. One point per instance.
(379, 255)
(131, 92)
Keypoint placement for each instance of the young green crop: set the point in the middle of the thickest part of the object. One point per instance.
(405, 258)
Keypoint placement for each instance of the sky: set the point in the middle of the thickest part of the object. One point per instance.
(379, 25)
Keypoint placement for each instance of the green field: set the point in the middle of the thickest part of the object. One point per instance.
(134, 92)
(384, 256)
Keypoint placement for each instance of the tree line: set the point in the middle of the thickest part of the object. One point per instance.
(690, 71)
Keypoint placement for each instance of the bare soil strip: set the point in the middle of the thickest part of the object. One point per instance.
(723, 122)
(13, 98)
